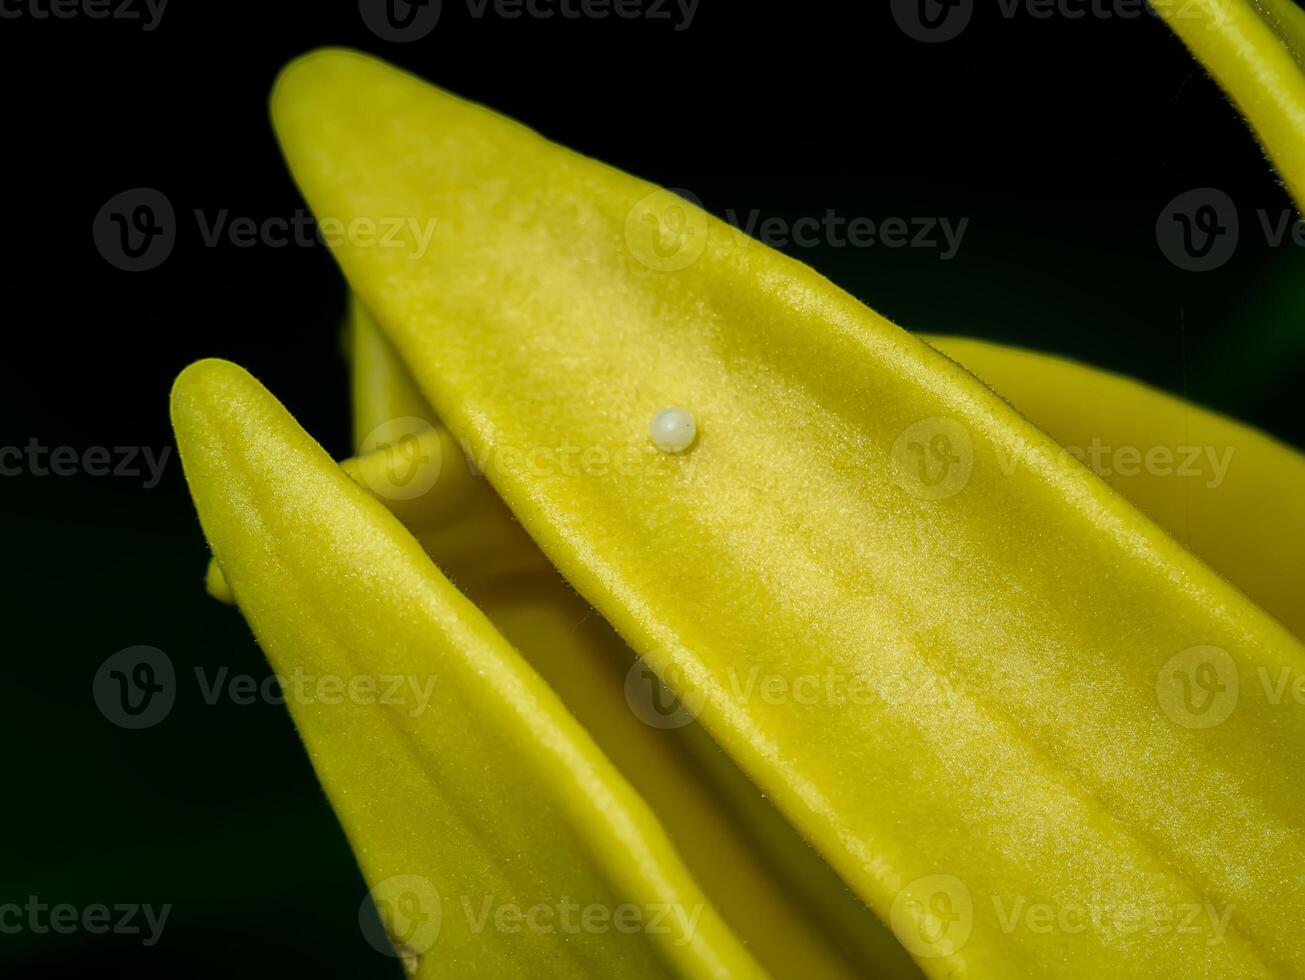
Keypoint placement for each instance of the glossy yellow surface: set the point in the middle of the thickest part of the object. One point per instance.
(1040, 735)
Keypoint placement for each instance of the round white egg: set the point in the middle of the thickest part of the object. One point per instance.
(673, 429)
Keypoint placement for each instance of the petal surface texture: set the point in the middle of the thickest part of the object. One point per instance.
(464, 784)
(782, 900)
(977, 679)
(1228, 492)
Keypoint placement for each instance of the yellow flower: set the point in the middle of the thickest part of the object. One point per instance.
(943, 699)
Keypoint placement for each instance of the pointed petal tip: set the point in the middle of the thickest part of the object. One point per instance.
(191, 401)
(303, 80)
(221, 414)
(204, 385)
(209, 397)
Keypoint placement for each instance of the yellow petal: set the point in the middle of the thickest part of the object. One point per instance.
(1254, 49)
(1231, 494)
(783, 901)
(383, 392)
(466, 789)
(1014, 641)
(1234, 496)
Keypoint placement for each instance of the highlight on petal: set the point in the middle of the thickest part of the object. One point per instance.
(1029, 692)
(464, 784)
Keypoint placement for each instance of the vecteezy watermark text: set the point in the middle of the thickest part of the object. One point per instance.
(667, 230)
(1200, 687)
(1200, 230)
(137, 688)
(935, 915)
(65, 919)
(147, 13)
(137, 230)
(569, 918)
(1209, 464)
(835, 230)
(122, 462)
(935, 21)
(403, 915)
(405, 21)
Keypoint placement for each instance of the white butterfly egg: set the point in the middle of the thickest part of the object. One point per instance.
(673, 429)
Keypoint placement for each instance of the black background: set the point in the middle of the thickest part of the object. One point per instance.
(1061, 139)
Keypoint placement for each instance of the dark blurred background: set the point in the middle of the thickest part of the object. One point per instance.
(1062, 140)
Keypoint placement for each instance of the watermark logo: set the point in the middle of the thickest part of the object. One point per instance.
(400, 21)
(401, 918)
(654, 702)
(1198, 230)
(1198, 687)
(136, 687)
(1201, 229)
(136, 230)
(405, 458)
(932, 21)
(933, 916)
(404, 21)
(666, 231)
(933, 458)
